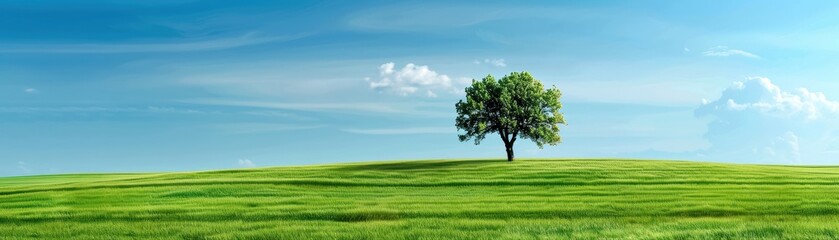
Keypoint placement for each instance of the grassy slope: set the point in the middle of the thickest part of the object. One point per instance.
(433, 200)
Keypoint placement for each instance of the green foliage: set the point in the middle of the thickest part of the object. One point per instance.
(517, 106)
(463, 199)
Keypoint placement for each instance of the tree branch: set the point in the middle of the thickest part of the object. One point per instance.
(513, 140)
(504, 137)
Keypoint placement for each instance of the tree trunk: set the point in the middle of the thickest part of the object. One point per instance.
(510, 152)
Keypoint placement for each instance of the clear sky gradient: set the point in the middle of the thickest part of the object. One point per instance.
(127, 86)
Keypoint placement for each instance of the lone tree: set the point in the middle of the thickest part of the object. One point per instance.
(517, 106)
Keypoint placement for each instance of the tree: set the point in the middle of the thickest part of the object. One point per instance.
(517, 106)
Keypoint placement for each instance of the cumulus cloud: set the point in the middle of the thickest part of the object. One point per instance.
(723, 51)
(412, 79)
(245, 163)
(756, 120)
(760, 95)
(499, 62)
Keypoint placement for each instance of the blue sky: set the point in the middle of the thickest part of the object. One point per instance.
(127, 86)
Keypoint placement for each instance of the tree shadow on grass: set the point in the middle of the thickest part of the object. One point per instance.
(419, 165)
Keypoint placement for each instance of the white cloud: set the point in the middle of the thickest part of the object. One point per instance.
(23, 168)
(245, 163)
(411, 79)
(759, 94)
(723, 51)
(496, 62)
(30, 90)
(395, 131)
(499, 62)
(756, 120)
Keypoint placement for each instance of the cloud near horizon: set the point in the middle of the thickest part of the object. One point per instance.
(756, 119)
(245, 163)
(23, 167)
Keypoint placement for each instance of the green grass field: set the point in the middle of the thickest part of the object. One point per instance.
(455, 199)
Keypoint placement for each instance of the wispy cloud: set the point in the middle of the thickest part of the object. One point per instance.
(98, 109)
(279, 114)
(395, 131)
(246, 128)
(365, 107)
(245, 163)
(185, 46)
(30, 90)
(414, 108)
(498, 62)
(23, 168)
(409, 17)
(723, 51)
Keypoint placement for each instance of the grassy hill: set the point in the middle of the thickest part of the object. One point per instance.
(461, 199)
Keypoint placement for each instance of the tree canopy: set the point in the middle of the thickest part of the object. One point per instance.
(517, 106)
